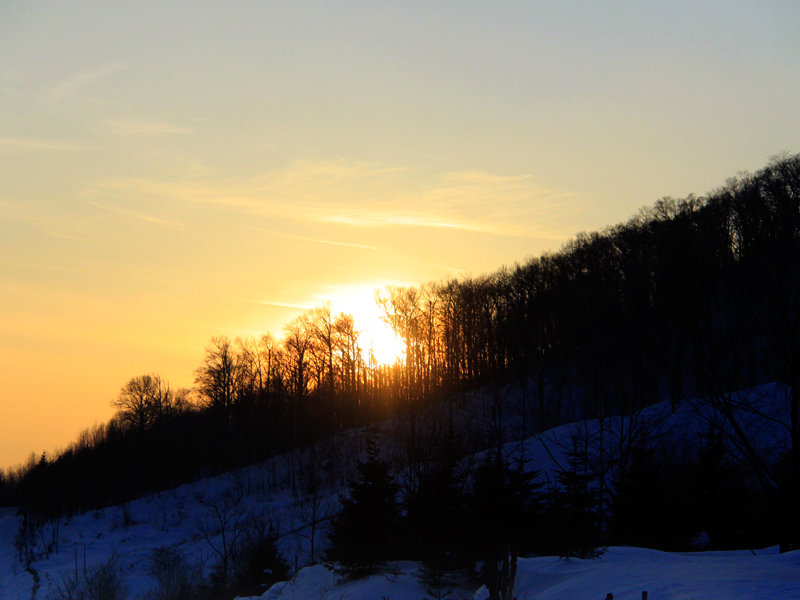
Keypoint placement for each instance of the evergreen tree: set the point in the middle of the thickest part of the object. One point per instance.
(503, 507)
(365, 532)
(718, 493)
(5, 500)
(435, 509)
(574, 510)
(649, 507)
(258, 564)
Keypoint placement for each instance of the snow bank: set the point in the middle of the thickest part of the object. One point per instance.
(625, 572)
(399, 582)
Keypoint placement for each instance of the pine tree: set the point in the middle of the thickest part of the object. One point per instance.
(259, 564)
(503, 506)
(718, 493)
(574, 506)
(365, 532)
(649, 507)
(435, 508)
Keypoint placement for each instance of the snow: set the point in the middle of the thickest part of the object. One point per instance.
(627, 572)
(14, 581)
(130, 533)
(398, 582)
(624, 572)
(169, 519)
(677, 426)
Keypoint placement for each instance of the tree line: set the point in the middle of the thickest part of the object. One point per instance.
(692, 297)
(467, 518)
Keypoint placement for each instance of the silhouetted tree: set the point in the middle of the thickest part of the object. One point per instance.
(145, 400)
(650, 505)
(222, 524)
(257, 563)
(502, 510)
(574, 512)
(219, 377)
(436, 507)
(173, 575)
(364, 534)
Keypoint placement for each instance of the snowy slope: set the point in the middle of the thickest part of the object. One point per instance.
(665, 425)
(170, 519)
(132, 531)
(14, 581)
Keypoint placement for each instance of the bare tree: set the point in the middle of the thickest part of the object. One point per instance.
(312, 505)
(221, 525)
(144, 400)
(297, 346)
(401, 310)
(350, 359)
(172, 573)
(325, 345)
(219, 378)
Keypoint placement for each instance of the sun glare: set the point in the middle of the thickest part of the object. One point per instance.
(375, 335)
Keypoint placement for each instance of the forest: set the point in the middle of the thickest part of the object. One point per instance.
(690, 298)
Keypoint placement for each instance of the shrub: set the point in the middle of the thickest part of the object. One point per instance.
(100, 582)
(172, 574)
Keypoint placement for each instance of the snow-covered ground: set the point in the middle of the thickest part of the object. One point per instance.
(624, 572)
(175, 519)
(627, 572)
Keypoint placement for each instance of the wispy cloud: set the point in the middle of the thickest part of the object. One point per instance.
(399, 219)
(133, 214)
(300, 191)
(432, 221)
(367, 195)
(24, 144)
(285, 305)
(54, 233)
(76, 84)
(481, 177)
(300, 238)
(37, 220)
(134, 128)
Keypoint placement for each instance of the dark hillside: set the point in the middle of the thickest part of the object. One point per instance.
(691, 297)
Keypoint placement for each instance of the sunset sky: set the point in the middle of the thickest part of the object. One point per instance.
(173, 171)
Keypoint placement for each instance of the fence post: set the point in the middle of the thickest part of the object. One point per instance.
(644, 595)
(609, 596)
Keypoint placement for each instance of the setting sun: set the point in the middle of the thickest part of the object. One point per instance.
(375, 335)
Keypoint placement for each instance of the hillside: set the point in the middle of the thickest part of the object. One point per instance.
(188, 520)
(689, 298)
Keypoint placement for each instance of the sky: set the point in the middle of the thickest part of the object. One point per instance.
(173, 171)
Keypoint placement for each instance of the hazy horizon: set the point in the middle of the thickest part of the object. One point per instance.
(186, 170)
